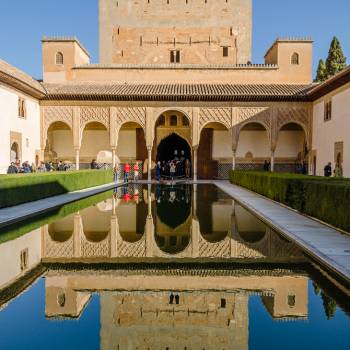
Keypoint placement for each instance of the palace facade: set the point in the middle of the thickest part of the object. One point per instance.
(174, 77)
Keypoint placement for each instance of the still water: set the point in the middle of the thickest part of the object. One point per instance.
(175, 268)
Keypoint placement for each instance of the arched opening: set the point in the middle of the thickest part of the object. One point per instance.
(291, 150)
(214, 152)
(59, 143)
(95, 140)
(253, 147)
(172, 142)
(96, 224)
(132, 218)
(62, 230)
(59, 58)
(172, 232)
(250, 229)
(131, 147)
(295, 59)
(14, 152)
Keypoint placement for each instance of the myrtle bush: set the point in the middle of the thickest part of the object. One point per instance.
(327, 199)
(21, 188)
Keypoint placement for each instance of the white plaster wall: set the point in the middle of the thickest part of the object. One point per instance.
(29, 127)
(290, 143)
(127, 217)
(93, 142)
(326, 134)
(222, 144)
(95, 220)
(221, 217)
(62, 144)
(255, 142)
(10, 253)
(127, 144)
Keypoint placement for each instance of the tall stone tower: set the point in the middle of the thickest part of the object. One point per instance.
(196, 32)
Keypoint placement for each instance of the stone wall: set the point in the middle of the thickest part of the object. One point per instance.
(198, 28)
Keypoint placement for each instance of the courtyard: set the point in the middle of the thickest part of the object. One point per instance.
(184, 186)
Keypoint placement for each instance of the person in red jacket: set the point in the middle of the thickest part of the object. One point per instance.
(126, 172)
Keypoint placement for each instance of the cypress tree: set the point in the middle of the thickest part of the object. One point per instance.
(336, 61)
(321, 72)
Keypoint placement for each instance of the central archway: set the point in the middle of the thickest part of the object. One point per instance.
(173, 147)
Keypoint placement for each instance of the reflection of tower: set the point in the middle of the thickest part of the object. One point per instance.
(203, 319)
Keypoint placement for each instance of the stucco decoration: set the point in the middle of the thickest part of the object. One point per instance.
(215, 115)
(132, 114)
(247, 115)
(54, 114)
(93, 114)
(300, 116)
(126, 249)
(186, 111)
(92, 249)
(220, 249)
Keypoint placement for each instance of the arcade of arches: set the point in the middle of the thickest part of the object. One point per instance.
(214, 139)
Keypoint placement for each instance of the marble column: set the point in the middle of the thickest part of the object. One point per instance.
(77, 159)
(195, 153)
(272, 166)
(149, 149)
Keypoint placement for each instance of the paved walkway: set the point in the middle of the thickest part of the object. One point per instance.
(325, 244)
(24, 211)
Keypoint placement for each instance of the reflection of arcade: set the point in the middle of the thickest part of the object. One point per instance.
(172, 218)
(165, 222)
(210, 309)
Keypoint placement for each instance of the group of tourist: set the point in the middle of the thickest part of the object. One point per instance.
(337, 172)
(44, 167)
(178, 167)
(23, 168)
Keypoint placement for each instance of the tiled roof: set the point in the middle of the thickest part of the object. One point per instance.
(20, 80)
(331, 84)
(177, 92)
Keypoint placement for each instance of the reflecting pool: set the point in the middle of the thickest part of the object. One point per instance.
(163, 267)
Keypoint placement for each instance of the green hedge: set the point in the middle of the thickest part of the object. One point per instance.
(21, 188)
(327, 199)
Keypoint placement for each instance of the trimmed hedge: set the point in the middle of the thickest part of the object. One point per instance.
(16, 230)
(327, 199)
(22, 188)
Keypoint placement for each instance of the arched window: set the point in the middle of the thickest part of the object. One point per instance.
(59, 58)
(295, 58)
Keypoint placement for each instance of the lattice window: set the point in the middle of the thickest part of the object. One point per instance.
(295, 58)
(327, 110)
(59, 58)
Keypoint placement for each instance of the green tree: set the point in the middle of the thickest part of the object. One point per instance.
(321, 72)
(329, 305)
(336, 61)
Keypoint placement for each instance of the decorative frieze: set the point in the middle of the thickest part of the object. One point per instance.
(215, 115)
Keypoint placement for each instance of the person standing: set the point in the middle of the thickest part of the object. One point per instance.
(328, 170)
(188, 168)
(12, 169)
(172, 171)
(158, 171)
(126, 172)
(136, 172)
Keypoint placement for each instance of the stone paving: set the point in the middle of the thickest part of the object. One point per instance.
(323, 243)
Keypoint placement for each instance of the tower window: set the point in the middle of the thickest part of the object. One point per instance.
(295, 58)
(327, 110)
(225, 51)
(59, 58)
(175, 56)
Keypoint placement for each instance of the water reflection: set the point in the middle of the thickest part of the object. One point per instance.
(165, 222)
(173, 268)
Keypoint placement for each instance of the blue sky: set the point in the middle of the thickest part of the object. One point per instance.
(23, 23)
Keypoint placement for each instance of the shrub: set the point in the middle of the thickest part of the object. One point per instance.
(326, 199)
(22, 188)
